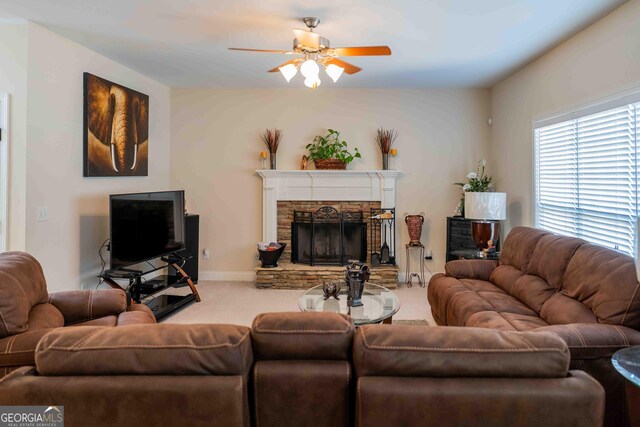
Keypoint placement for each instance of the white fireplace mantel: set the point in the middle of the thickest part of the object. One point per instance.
(317, 185)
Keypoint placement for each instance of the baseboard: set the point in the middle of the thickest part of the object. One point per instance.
(402, 277)
(231, 276)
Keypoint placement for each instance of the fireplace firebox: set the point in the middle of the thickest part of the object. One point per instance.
(328, 237)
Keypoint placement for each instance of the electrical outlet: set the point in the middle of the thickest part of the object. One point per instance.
(43, 214)
(205, 253)
(429, 254)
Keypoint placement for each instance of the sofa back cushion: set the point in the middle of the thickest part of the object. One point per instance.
(302, 336)
(146, 350)
(22, 286)
(547, 265)
(519, 245)
(604, 281)
(414, 351)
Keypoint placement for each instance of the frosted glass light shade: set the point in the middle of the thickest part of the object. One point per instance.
(490, 205)
(288, 71)
(334, 71)
(312, 82)
(309, 68)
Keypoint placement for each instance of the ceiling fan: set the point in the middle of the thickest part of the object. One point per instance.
(317, 51)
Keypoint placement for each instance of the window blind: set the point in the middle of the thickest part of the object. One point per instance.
(586, 177)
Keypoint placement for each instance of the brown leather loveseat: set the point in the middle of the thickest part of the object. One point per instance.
(305, 369)
(28, 311)
(586, 294)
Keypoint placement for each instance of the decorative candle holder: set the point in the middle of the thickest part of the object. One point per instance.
(263, 159)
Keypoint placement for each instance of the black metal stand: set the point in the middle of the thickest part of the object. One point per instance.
(142, 291)
(383, 232)
(408, 274)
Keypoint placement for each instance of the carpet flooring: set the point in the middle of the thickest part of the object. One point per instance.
(240, 302)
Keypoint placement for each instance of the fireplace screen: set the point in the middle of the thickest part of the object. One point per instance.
(328, 237)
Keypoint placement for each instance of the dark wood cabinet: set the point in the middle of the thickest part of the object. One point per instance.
(459, 236)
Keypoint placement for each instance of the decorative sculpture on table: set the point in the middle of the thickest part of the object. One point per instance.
(331, 289)
(356, 276)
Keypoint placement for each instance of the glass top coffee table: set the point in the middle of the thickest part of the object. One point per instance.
(379, 304)
(627, 362)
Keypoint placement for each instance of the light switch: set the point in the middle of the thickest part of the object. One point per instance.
(43, 214)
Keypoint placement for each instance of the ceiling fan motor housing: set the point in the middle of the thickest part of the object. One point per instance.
(315, 44)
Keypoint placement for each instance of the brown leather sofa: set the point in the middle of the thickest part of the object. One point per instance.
(28, 311)
(586, 294)
(305, 369)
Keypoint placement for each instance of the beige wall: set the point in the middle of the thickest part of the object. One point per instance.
(13, 80)
(600, 61)
(67, 244)
(215, 152)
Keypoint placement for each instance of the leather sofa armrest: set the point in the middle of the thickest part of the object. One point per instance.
(594, 340)
(80, 306)
(146, 350)
(417, 351)
(479, 269)
(19, 350)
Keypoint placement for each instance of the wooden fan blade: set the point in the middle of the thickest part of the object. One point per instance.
(361, 50)
(260, 50)
(348, 68)
(293, 61)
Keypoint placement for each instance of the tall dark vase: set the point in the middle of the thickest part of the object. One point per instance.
(272, 159)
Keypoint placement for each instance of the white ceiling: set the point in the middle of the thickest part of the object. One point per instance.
(434, 42)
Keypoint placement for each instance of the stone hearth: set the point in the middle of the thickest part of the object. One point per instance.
(302, 276)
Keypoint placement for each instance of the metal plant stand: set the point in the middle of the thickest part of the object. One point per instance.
(408, 274)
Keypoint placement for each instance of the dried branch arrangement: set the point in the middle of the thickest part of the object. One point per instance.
(385, 139)
(271, 139)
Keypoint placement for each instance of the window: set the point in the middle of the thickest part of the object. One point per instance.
(586, 176)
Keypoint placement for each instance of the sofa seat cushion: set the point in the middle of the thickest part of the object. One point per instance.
(505, 321)
(456, 300)
(146, 350)
(444, 290)
(560, 310)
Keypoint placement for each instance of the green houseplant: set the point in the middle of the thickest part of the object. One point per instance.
(329, 152)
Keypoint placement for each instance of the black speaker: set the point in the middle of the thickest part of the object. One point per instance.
(192, 248)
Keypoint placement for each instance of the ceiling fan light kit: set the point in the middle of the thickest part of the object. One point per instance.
(317, 52)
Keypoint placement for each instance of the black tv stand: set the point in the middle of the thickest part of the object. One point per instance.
(141, 291)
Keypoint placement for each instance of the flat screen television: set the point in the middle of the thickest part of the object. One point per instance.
(144, 226)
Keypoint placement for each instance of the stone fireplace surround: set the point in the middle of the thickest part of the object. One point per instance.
(284, 191)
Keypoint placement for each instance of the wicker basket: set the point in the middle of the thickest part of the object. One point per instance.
(330, 164)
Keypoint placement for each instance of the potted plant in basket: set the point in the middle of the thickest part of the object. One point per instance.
(329, 152)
